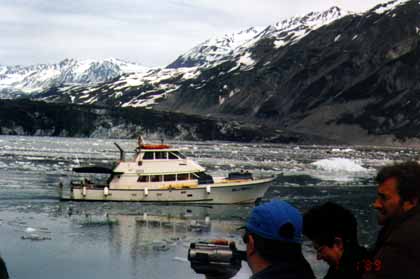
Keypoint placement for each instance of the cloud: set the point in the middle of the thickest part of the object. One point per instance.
(152, 33)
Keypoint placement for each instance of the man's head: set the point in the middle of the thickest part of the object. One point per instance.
(398, 190)
(331, 228)
(273, 233)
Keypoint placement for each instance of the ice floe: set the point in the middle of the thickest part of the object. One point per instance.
(30, 230)
(344, 150)
(339, 164)
(179, 259)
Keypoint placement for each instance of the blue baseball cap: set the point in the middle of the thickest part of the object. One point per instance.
(276, 220)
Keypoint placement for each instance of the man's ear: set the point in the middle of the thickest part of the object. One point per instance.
(250, 246)
(338, 242)
(409, 204)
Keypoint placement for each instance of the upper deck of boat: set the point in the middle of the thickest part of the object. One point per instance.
(155, 147)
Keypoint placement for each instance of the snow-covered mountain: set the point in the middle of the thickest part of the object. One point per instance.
(37, 78)
(145, 88)
(119, 84)
(215, 49)
(140, 89)
(230, 45)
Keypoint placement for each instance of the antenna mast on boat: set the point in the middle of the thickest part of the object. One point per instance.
(122, 152)
(140, 141)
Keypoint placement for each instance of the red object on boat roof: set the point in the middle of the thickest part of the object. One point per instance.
(154, 146)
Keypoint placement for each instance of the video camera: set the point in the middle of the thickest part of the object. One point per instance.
(216, 259)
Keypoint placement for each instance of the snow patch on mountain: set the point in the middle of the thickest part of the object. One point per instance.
(245, 61)
(389, 6)
(290, 31)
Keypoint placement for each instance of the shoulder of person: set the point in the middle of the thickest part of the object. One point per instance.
(408, 230)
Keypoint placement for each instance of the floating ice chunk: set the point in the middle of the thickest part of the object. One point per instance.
(179, 259)
(346, 150)
(30, 230)
(339, 164)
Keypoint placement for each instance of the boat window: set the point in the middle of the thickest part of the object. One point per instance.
(200, 174)
(194, 176)
(172, 156)
(155, 178)
(143, 178)
(182, 176)
(179, 155)
(169, 177)
(148, 156)
(161, 155)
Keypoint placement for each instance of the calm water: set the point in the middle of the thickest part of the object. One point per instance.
(42, 237)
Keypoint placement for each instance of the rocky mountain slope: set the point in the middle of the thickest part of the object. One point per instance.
(25, 117)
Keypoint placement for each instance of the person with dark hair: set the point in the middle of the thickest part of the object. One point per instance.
(396, 253)
(333, 232)
(273, 237)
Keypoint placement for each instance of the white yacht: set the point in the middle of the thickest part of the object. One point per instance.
(160, 173)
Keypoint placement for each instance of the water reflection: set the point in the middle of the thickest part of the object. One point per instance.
(147, 234)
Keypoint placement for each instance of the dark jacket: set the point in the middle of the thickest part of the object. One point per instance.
(396, 253)
(290, 269)
(3, 270)
(351, 265)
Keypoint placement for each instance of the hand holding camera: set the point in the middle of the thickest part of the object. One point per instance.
(218, 259)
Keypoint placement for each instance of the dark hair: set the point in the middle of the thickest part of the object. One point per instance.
(324, 223)
(274, 250)
(408, 178)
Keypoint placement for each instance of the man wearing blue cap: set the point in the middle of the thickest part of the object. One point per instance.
(273, 237)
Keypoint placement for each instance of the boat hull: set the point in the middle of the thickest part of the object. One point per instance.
(227, 193)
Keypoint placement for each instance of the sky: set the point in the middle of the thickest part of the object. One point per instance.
(151, 33)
